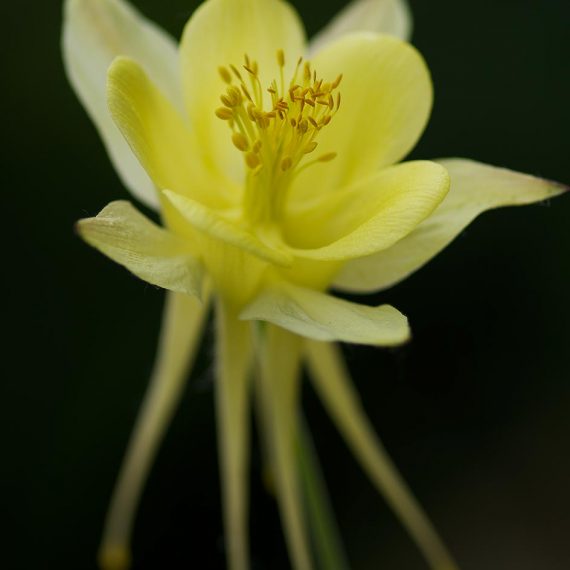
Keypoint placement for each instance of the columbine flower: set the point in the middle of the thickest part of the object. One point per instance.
(276, 178)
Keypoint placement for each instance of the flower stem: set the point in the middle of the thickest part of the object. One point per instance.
(322, 524)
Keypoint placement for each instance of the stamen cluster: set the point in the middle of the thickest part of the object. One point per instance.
(281, 137)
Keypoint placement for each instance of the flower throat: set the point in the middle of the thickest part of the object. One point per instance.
(276, 143)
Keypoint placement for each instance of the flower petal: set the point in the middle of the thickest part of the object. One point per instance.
(94, 33)
(219, 34)
(279, 388)
(370, 215)
(386, 101)
(182, 325)
(322, 317)
(235, 359)
(214, 225)
(475, 187)
(150, 252)
(392, 17)
(158, 134)
(332, 382)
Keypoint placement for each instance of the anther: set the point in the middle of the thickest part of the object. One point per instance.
(286, 163)
(327, 157)
(224, 113)
(240, 142)
(310, 147)
(225, 74)
(232, 98)
(252, 160)
(281, 58)
(236, 72)
(246, 93)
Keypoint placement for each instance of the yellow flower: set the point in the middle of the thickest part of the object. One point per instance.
(274, 166)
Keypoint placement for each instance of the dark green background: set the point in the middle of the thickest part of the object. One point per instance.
(475, 410)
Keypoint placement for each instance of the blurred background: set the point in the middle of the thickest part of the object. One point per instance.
(475, 411)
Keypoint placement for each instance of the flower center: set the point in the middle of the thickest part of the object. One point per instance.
(275, 134)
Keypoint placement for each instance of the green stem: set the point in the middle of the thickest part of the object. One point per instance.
(322, 524)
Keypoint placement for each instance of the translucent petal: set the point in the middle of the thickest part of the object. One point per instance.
(159, 135)
(386, 101)
(150, 252)
(279, 384)
(234, 367)
(219, 34)
(323, 317)
(475, 187)
(214, 225)
(334, 387)
(181, 330)
(94, 33)
(392, 17)
(369, 216)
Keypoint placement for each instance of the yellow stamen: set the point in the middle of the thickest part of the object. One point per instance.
(310, 147)
(225, 74)
(286, 163)
(224, 113)
(327, 157)
(240, 141)
(275, 127)
(252, 160)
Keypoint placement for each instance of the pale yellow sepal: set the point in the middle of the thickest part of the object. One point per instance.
(475, 187)
(386, 101)
(218, 34)
(159, 135)
(322, 317)
(214, 225)
(392, 17)
(94, 33)
(150, 252)
(370, 215)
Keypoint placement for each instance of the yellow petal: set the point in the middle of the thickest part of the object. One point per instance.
(182, 326)
(94, 33)
(219, 34)
(392, 17)
(332, 382)
(150, 252)
(279, 386)
(475, 187)
(322, 317)
(386, 100)
(214, 225)
(369, 216)
(158, 134)
(232, 413)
